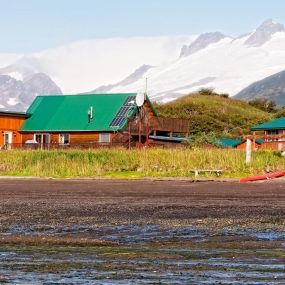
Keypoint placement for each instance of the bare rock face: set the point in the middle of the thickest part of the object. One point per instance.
(263, 33)
(201, 42)
(271, 88)
(17, 95)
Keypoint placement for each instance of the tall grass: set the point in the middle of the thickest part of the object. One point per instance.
(134, 163)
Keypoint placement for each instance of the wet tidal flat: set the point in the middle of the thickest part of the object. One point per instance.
(142, 232)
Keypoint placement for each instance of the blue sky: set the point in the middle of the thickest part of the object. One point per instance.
(33, 25)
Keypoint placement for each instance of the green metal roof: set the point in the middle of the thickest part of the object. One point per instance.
(225, 142)
(278, 124)
(231, 143)
(70, 112)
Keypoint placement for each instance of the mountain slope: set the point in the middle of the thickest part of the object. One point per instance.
(214, 114)
(137, 74)
(271, 88)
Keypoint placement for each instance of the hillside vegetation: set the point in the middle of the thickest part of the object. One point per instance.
(216, 114)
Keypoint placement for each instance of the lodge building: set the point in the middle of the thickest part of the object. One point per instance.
(272, 134)
(10, 123)
(89, 120)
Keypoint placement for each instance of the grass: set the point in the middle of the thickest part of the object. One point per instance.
(225, 117)
(136, 163)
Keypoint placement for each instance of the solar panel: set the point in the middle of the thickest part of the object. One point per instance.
(130, 98)
(123, 112)
(117, 121)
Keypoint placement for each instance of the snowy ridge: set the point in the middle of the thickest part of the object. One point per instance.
(228, 65)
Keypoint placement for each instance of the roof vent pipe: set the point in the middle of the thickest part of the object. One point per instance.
(90, 114)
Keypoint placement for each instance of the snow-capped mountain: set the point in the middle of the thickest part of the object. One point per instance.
(174, 65)
(264, 33)
(16, 95)
(201, 42)
(217, 61)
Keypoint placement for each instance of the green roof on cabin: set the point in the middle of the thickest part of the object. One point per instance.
(231, 143)
(70, 112)
(278, 124)
(225, 142)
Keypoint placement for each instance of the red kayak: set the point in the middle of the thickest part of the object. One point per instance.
(263, 176)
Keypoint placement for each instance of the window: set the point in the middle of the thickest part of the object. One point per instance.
(273, 134)
(104, 138)
(7, 139)
(42, 138)
(64, 138)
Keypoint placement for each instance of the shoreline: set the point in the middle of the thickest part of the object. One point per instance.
(131, 179)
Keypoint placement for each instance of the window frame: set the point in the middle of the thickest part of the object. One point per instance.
(60, 136)
(101, 135)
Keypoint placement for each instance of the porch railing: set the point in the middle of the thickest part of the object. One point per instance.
(158, 124)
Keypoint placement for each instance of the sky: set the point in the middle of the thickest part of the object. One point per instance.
(33, 25)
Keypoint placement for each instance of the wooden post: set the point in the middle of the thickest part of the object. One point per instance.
(129, 134)
(248, 151)
(140, 135)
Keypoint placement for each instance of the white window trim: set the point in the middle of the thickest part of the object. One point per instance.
(59, 139)
(42, 135)
(10, 136)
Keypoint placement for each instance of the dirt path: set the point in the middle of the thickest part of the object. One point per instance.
(98, 202)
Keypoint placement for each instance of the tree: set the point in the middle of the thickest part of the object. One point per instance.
(207, 91)
(263, 104)
(210, 92)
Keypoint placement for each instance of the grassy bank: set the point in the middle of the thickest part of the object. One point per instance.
(135, 163)
(224, 117)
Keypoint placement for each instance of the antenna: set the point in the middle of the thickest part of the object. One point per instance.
(145, 92)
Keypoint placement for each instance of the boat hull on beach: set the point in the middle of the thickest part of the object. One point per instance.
(263, 176)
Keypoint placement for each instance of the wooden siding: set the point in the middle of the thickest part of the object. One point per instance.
(171, 125)
(78, 138)
(10, 123)
(276, 145)
(75, 137)
(255, 146)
